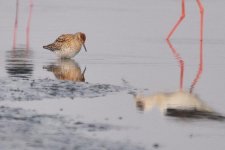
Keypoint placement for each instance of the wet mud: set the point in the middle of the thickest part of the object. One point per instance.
(25, 129)
(39, 89)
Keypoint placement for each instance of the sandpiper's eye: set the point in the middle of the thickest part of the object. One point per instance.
(83, 37)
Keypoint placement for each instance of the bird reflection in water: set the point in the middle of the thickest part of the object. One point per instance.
(18, 60)
(67, 69)
(181, 103)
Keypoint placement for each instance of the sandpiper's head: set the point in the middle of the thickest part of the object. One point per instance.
(82, 38)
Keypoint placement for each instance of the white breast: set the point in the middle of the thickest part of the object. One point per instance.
(67, 53)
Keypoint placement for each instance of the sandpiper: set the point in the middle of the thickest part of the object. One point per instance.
(68, 45)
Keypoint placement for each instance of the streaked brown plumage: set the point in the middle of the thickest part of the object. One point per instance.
(67, 45)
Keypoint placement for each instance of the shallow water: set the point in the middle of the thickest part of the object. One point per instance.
(128, 60)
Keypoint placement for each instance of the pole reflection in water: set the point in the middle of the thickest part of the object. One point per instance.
(67, 69)
(181, 103)
(180, 61)
(200, 67)
(18, 60)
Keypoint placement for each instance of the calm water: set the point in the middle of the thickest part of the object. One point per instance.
(132, 75)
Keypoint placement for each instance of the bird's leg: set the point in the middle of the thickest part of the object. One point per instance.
(28, 25)
(16, 24)
(180, 19)
(201, 9)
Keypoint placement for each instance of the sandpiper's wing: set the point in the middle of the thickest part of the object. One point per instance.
(62, 39)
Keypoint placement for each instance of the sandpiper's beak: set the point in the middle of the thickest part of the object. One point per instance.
(84, 47)
(82, 77)
(84, 71)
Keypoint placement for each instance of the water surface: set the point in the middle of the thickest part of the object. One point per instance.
(128, 57)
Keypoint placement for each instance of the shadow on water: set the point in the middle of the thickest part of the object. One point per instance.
(66, 69)
(180, 104)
